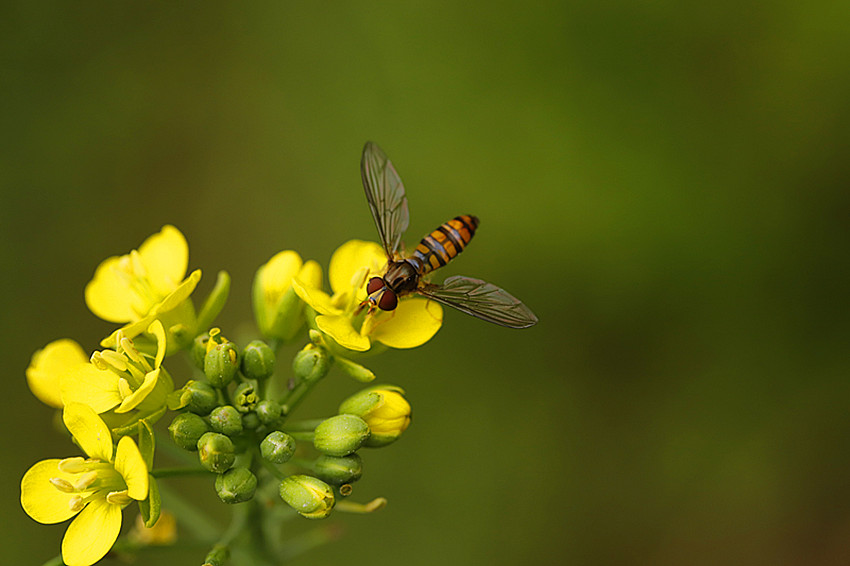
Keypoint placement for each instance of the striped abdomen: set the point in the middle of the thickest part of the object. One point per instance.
(443, 244)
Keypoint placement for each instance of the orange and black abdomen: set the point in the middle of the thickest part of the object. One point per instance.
(443, 244)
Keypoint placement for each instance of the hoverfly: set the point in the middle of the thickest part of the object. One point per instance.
(404, 275)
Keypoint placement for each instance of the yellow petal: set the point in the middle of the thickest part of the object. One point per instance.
(157, 330)
(97, 388)
(179, 293)
(132, 401)
(277, 274)
(339, 328)
(89, 430)
(48, 365)
(411, 324)
(350, 258)
(92, 533)
(316, 298)
(40, 499)
(130, 464)
(165, 256)
(311, 274)
(108, 296)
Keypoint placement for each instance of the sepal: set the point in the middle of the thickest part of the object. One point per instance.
(187, 429)
(216, 452)
(310, 497)
(236, 485)
(277, 447)
(340, 435)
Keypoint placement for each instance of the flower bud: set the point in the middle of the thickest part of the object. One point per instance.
(338, 470)
(245, 396)
(186, 429)
(278, 447)
(268, 411)
(199, 350)
(250, 421)
(310, 496)
(197, 396)
(216, 452)
(236, 485)
(278, 310)
(311, 363)
(340, 435)
(221, 363)
(384, 409)
(258, 360)
(226, 420)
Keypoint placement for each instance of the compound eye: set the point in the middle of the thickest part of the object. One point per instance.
(374, 284)
(388, 301)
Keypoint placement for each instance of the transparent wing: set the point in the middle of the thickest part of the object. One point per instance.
(385, 193)
(482, 300)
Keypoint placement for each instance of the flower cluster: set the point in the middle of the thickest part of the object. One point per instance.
(233, 417)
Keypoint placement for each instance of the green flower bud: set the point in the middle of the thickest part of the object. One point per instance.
(250, 421)
(186, 429)
(384, 409)
(226, 420)
(268, 411)
(199, 397)
(245, 396)
(310, 496)
(278, 447)
(258, 360)
(339, 470)
(236, 485)
(199, 350)
(278, 310)
(311, 363)
(340, 435)
(221, 363)
(216, 452)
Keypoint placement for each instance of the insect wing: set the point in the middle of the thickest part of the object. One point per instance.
(482, 300)
(385, 193)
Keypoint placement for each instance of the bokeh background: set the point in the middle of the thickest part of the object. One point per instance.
(664, 183)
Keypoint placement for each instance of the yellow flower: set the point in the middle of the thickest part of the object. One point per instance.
(127, 288)
(145, 285)
(411, 324)
(94, 489)
(277, 309)
(122, 379)
(47, 367)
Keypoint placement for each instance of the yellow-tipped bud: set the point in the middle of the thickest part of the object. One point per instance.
(310, 496)
(384, 409)
(278, 310)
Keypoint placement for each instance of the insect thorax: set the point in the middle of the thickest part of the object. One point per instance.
(402, 276)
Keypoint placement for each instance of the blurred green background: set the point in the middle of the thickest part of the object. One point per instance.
(664, 183)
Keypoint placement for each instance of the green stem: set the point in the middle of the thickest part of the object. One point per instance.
(272, 469)
(176, 472)
(306, 436)
(55, 561)
(294, 397)
(361, 508)
(306, 425)
(188, 516)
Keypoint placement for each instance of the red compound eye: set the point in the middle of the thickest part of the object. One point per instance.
(374, 284)
(388, 301)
